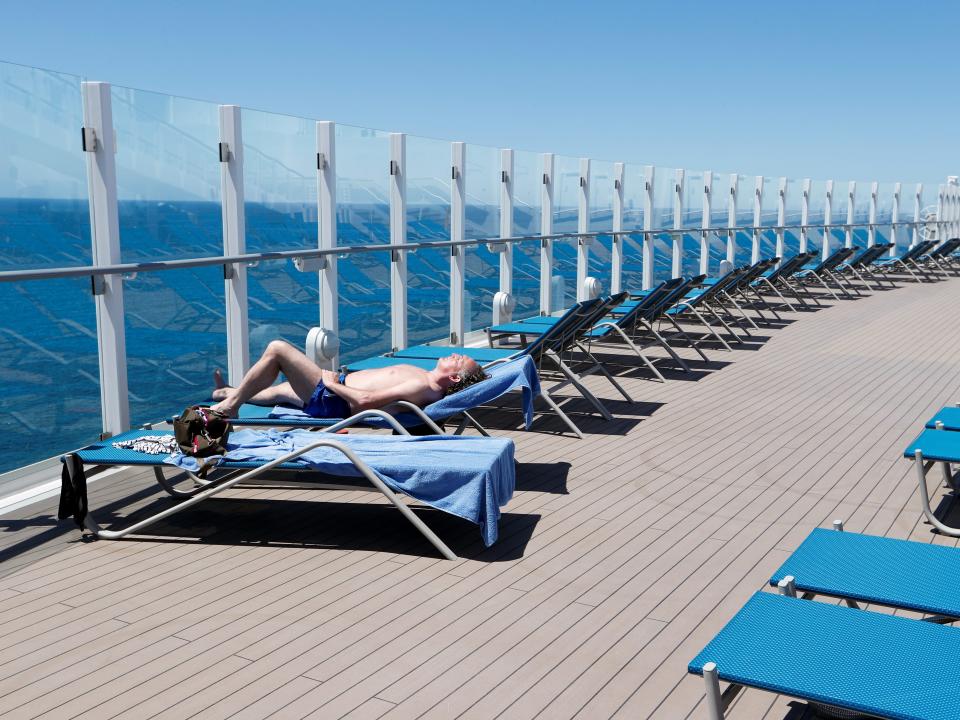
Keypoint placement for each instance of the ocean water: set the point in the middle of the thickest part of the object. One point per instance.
(49, 376)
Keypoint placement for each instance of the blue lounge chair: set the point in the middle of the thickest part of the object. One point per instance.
(929, 448)
(548, 352)
(948, 418)
(436, 470)
(857, 568)
(822, 271)
(882, 665)
(906, 260)
(864, 260)
(775, 277)
(940, 255)
(707, 298)
(624, 322)
(518, 374)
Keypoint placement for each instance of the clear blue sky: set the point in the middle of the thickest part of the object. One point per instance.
(811, 89)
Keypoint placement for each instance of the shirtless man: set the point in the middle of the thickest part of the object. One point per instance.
(324, 393)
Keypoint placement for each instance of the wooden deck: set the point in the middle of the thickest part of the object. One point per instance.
(619, 558)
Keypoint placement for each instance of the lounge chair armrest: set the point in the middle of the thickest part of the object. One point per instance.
(364, 416)
(418, 411)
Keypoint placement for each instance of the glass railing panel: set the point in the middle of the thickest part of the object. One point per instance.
(428, 219)
(662, 257)
(768, 244)
(44, 217)
(280, 181)
(716, 251)
(168, 176)
(563, 281)
(599, 258)
(770, 205)
(665, 181)
(527, 189)
(284, 304)
(168, 185)
(791, 243)
(742, 246)
(566, 211)
(634, 198)
(631, 278)
(482, 275)
(363, 218)
(364, 292)
(176, 338)
(49, 384)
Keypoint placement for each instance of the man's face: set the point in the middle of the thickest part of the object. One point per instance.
(456, 366)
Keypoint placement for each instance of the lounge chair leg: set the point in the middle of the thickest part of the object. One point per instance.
(779, 294)
(714, 697)
(712, 331)
(646, 360)
(468, 418)
(828, 288)
(574, 380)
(683, 335)
(562, 415)
(745, 316)
(925, 498)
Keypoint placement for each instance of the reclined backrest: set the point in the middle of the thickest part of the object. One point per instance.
(946, 248)
(788, 267)
(562, 334)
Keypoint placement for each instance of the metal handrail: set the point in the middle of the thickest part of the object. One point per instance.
(93, 271)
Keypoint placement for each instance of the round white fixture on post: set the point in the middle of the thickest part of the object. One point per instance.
(503, 304)
(592, 288)
(322, 345)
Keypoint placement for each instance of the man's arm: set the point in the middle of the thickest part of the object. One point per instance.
(412, 390)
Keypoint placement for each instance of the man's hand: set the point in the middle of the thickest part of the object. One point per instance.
(329, 377)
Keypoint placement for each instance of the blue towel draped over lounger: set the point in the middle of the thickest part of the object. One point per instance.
(519, 373)
(470, 477)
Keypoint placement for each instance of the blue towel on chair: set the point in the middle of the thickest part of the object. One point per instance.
(520, 373)
(470, 477)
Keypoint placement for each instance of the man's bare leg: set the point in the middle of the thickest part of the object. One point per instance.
(279, 357)
(279, 394)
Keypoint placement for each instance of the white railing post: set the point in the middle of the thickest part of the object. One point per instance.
(732, 218)
(757, 215)
(503, 300)
(872, 219)
(827, 219)
(546, 228)
(851, 206)
(458, 165)
(99, 143)
(326, 343)
(804, 214)
(940, 211)
(648, 173)
(705, 235)
(676, 266)
(583, 226)
(917, 211)
(398, 236)
(895, 217)
(616, 245)
(234, 242)
(781, 218)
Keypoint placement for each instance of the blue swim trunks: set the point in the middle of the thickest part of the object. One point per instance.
(326, 404)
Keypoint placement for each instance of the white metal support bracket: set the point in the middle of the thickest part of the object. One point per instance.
(99, 143)
(398, 236)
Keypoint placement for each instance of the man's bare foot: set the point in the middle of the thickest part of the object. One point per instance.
(220, 388)
(226, 407)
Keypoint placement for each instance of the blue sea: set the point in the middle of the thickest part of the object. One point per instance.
(50, 399)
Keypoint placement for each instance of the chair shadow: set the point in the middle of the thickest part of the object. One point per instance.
(326, 524)
(547, 477)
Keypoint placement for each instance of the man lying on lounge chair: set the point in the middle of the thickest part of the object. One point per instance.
(326, 394)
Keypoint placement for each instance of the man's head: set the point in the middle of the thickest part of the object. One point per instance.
(458, 371)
